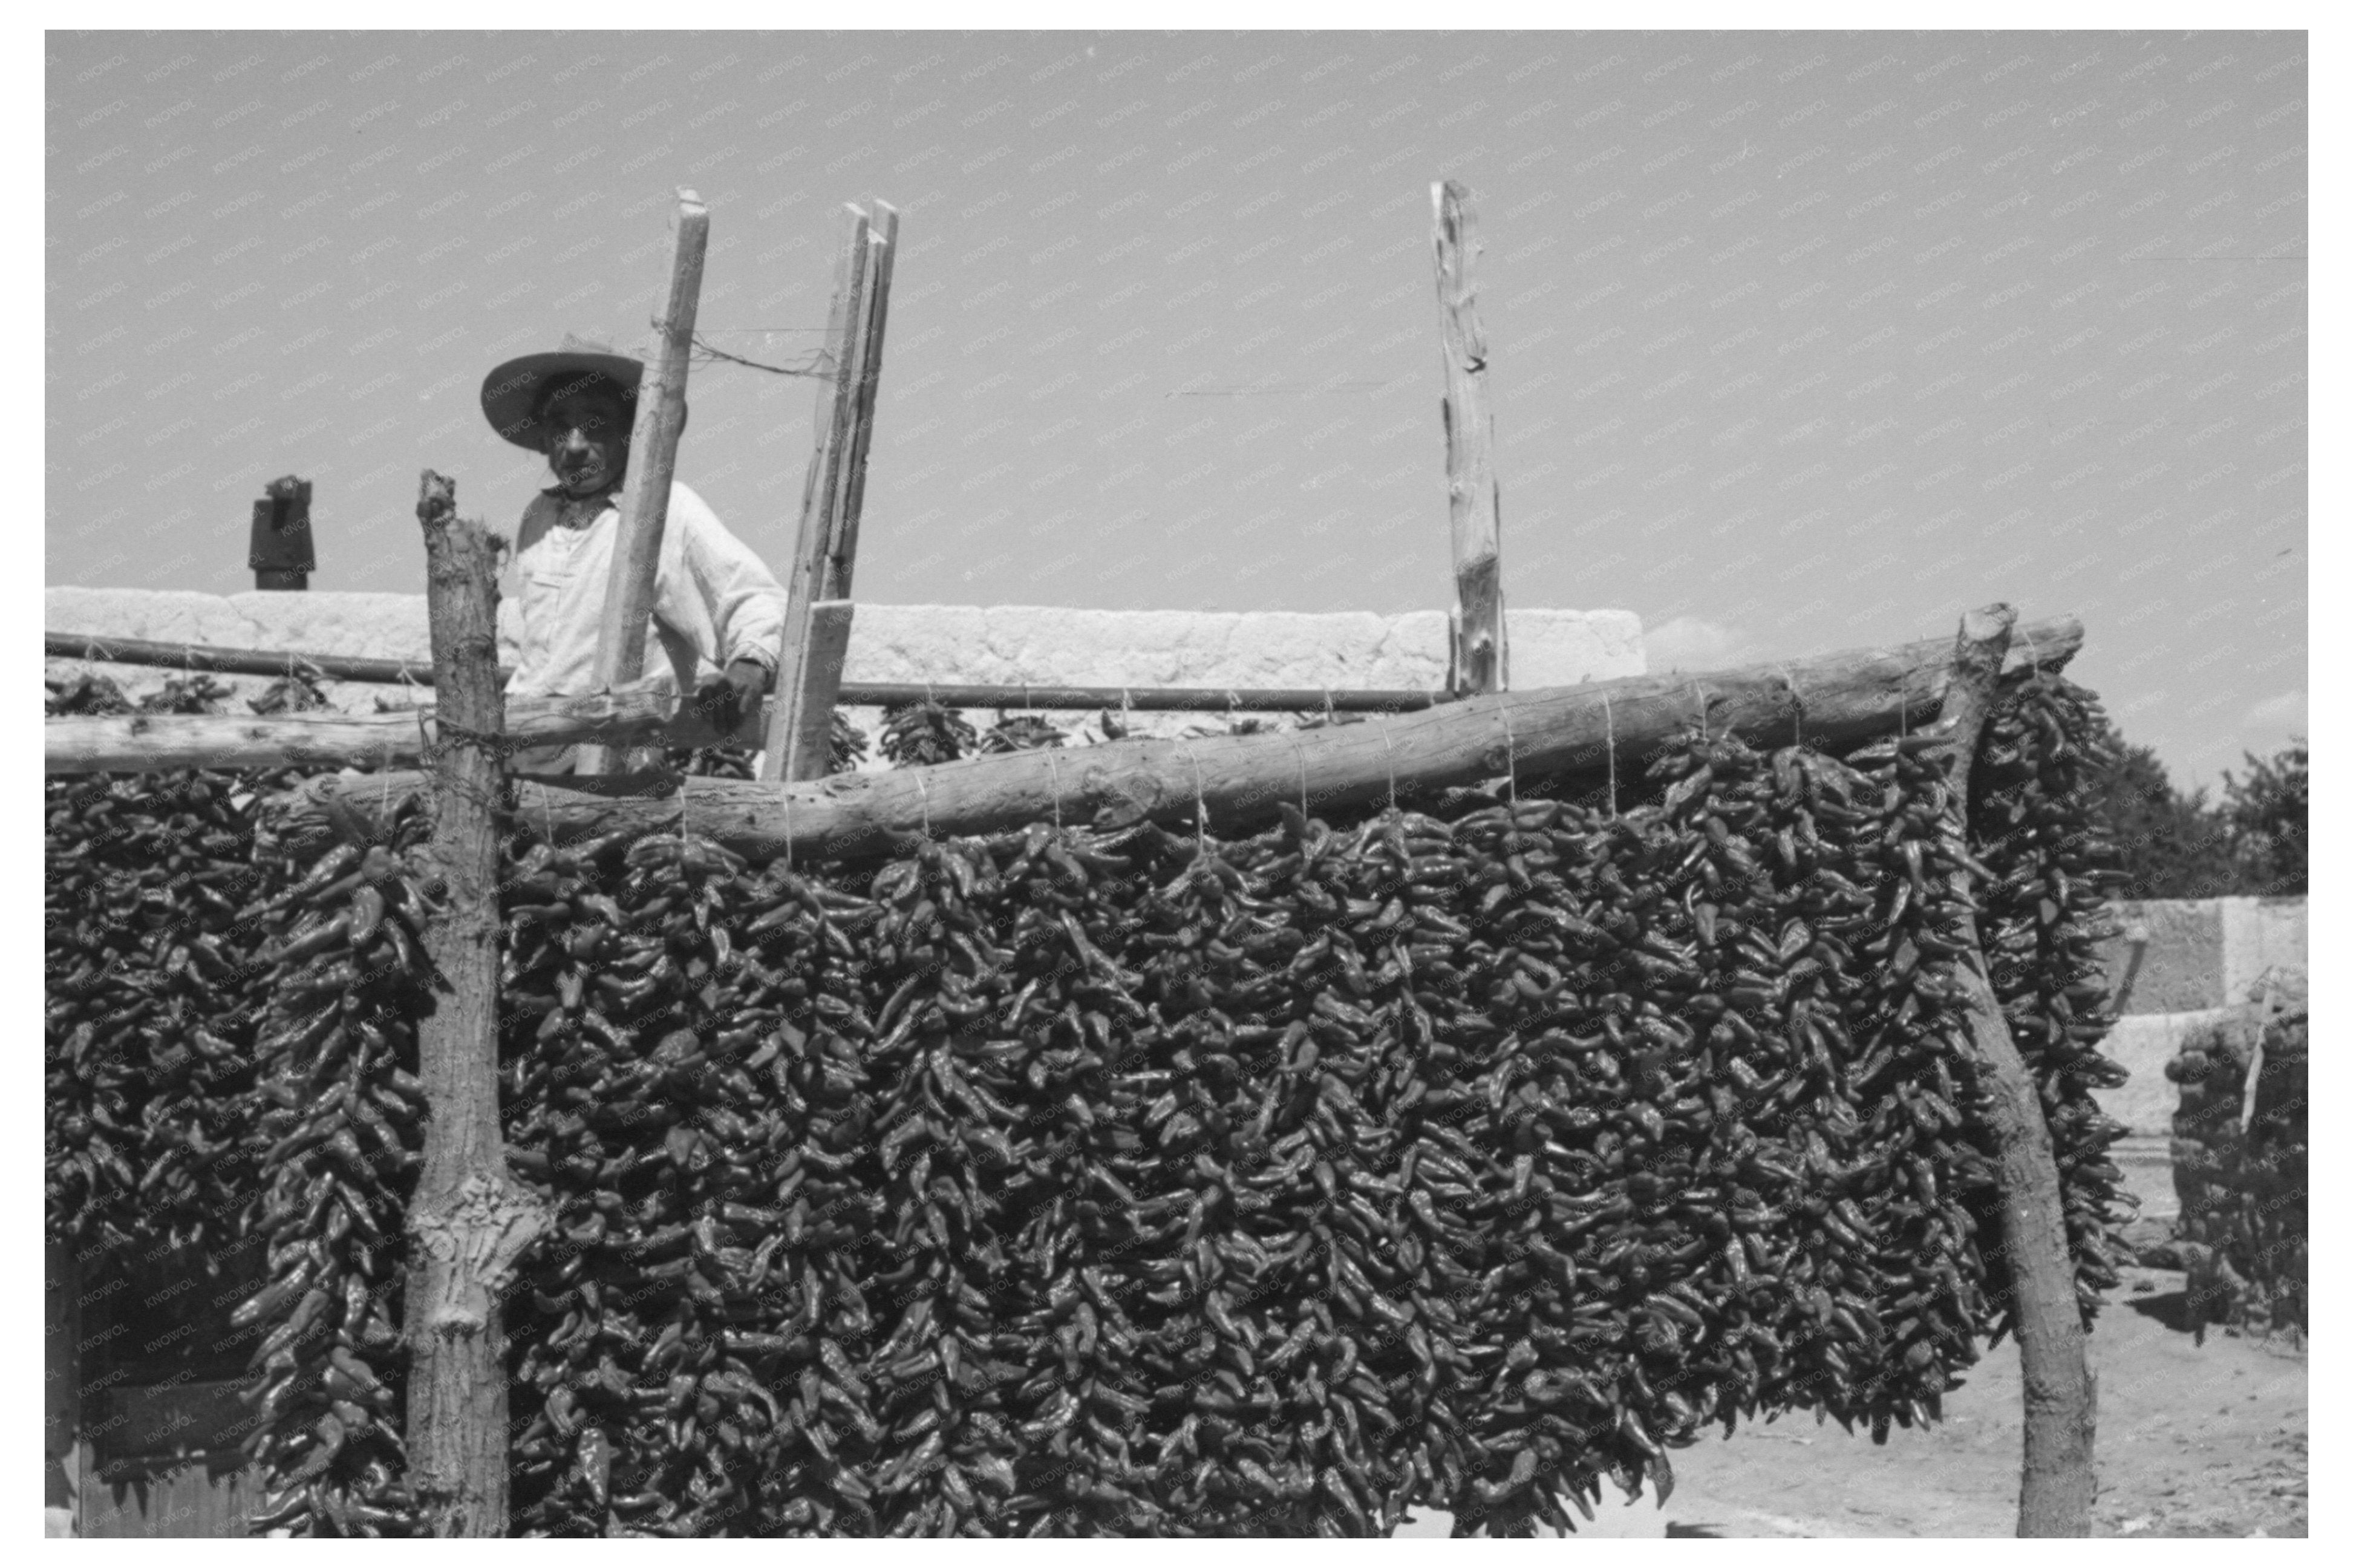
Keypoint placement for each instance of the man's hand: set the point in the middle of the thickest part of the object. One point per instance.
(727, 700)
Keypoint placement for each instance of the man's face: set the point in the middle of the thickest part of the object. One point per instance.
(588, 446)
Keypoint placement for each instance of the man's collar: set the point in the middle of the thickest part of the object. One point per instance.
(562, 496)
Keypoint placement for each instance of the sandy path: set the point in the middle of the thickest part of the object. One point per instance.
(2194, 1440)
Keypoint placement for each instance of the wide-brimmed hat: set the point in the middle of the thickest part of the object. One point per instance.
(511, 395)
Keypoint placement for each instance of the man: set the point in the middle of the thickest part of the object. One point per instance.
(718, 611)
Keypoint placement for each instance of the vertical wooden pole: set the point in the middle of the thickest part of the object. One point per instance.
(653, 460)
(1479, 661)
(470, 1222)
(2060, 1398)
(841, 549)
(798, 662)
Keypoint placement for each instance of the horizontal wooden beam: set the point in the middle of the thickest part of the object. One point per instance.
(1835, 700)
(1147, 699)
(142, 743)
(193, 656)
(854, 693)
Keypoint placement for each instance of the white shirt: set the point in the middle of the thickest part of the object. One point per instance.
(714, 600)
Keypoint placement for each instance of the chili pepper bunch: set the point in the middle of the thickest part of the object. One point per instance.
(918, 735)
(149, 1006)
(2242, 1168)
(2044, 909)
(1142, 1182)
(339, 1121)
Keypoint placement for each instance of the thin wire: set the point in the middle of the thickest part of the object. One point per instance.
(1300, 752)
(720, 354)
(1610, 742)
(925, 791)
(1200, 805)
(1392, 750)
(1055, 774)
(1511, 756)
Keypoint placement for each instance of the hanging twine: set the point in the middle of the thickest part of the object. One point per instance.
(1609, 744)
(1798, 717)
(925, 790)
(1391, 748)
(1511, 754)
(1300, 752)
(1055, 775)
(1200, 805)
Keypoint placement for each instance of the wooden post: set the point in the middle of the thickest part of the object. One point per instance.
(653, 460)
(809, 750)
(806, 581)
(841, 549)
(470, 1222)
(2059, 1395)
(1480, 658)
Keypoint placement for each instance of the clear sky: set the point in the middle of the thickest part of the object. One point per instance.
(1798, 340)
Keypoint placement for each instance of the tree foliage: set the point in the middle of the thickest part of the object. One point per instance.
(2269, 812)
(2176, 843)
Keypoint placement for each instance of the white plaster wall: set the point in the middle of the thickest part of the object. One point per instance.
(2206, 952)
(945, 643)
(2145, 1043)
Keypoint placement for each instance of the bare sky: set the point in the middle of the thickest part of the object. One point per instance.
(1799, 340)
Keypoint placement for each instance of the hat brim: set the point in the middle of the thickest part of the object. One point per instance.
(511, 392)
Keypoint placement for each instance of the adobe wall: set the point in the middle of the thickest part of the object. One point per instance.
(994, 644)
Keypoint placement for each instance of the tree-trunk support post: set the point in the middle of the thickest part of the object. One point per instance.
(470, 1223)
(2060, 1398)
(653, 461)
(1480, 658)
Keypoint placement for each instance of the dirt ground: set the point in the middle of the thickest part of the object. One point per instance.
(2194, 1440)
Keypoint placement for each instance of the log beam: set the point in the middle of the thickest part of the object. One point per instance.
(853, 693)
(1839, 699)
(641, 715)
